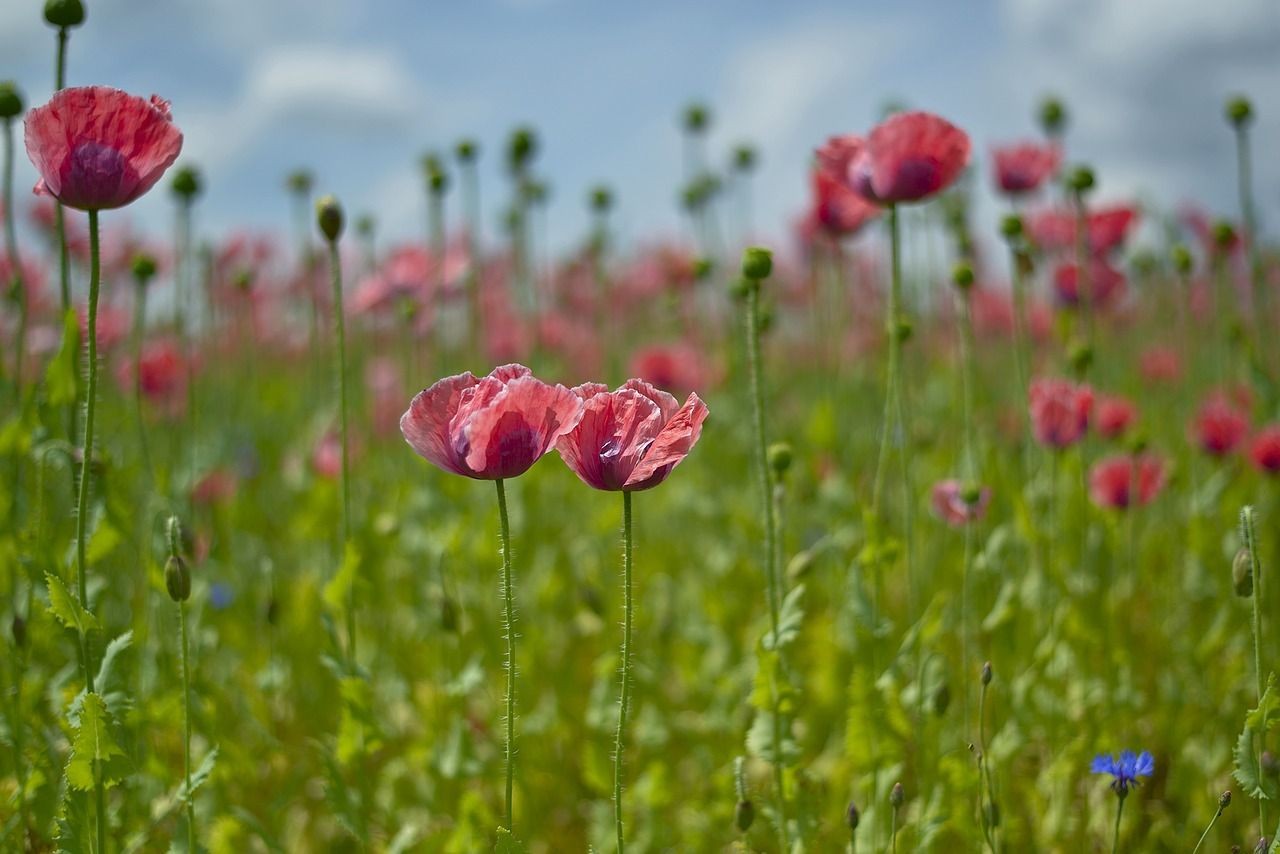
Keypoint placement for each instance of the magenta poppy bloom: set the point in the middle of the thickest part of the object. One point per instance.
(630, 439)
(490, 428)
(1264, 450)
(1059, 411)
(1105, 283)
(1113, 416)
(1023, 167)
(1106, 228)
(837, 154)
(954, 507)
(837, 209)
(909, 157)
(1219, 426)
(1123, 480)
(98, 148)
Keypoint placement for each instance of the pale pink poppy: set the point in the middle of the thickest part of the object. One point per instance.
(909, 157)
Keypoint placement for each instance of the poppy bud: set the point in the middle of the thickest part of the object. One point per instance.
(329, 218)
(1053, 115)
(1224, 800)
(757, 263)
(1239, 111)
(1080, 180)
(962, 275)
(438, 182)
(64, 13)
(10, 100)
(366, 224)
(703, 267)
(144, 268)
(896, 796)
(851, 816)
(971, 493)
(993, 814)
(696, 118)
(903, 329)
(744, 158)
(1242, 574)
(300, 182)
(19, 627)
(1224, 235)
(521, 147)
(986, 673)
(1081, 357)
(740, 287)
(466, 150)
(941, 699)
(186, 183)
(743, 815)
(601, 199)
(1011, 227)
(177, 578)
(448, 614)
(1181, 257)
(780, 457)
(273, 611)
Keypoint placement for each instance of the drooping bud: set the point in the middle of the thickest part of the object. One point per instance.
(1242, 574)
(986, 673)
(780, 457)
(10, 100)
(1239, 111)
(1224, 800)
(744, 814)
(851, 816)
(186, 183)
(329, 218)
(177, 578)
(757, 263)
(896, 796)
(64, 13)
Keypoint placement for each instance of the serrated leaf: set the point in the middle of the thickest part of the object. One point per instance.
(790, 619)
(507, 843)
(404, 840)
(103, 542)
(74, 830)
(106, 670)
(1248, 771)
(94, 751)
(60, 377)
(65, 609)
(759, 741)
(200, 775)
(338, 589)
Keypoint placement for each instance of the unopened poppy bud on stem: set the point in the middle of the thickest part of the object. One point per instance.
(1239, 111)
(1180, 255)
(1053, 116)
(329, 218)
(1080, 180)
(144, 268)
(757, 263)
(1011, 227)
(1224, 800)
(852, 816)
(186, 183)
(897, 796)
(64, 13)
(177, 578)
(962, 275)
(521, 147)
(1081, 358)
(780, 457)
(986, 673)
(10, 100)
(1224, 234)
(744, 814)
(1242, 574)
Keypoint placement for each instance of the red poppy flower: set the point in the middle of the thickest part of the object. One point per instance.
(1112, 480)
(1114, 415)
(1219, 426)
(632, 438)
(1264, 450)
(954, 507)
(836, 209)
(1023, 167)
(1059, 411)
(909, 157)
(1105, 228)
(491, 428)
(97, 148)
(1105, 283)
(1160, 364)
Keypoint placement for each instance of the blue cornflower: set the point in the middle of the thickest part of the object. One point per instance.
(220, 595)
(1126, 769)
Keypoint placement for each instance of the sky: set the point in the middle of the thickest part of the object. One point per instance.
(358, 91)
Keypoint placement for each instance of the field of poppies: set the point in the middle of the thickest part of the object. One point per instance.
(906, 531)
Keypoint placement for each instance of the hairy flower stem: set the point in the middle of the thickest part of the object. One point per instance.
(893, 369)
(471, 204)
(186, 724)
(1115, 837)
(624, 696)
(509, 624)
(1250, 535)
(16, 283)
(765, 483)
(971, 474)
(82, 502)
(1084, 287)
(60, 230)
(1261, 301)
(139, 326)
(335, 271)
(986, 791)
(1212, 822)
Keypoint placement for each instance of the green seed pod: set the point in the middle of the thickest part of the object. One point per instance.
(897, 796)
(1053, 115)
(186, 184)
(601, 199)
(1239, 111)
(696, 118)
(941, 699)
(780, 457)
(144, 268)
(329, 218)
(11, 105)
(1081, 358)
(19, 628)
(1080, 180)
(1011, 227)
(177, 578)
(852, 816)
(757, 263)
(962, 275)
(466, 150)
(744, 158)
(986, 673)
(521, 148)
(64, 13)
(744, 814)
(1224, 800)
(1181, 257)
(1242, 574)
(300, 182)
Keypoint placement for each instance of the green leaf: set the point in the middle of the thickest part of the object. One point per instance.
(760, 739)
(339, 587)
(74, 829)
(106, 670)
(507, 843)
(65, 609)
(94, 752)
(60, 377)
(200, 775)
(790, 618)
(1248, 771)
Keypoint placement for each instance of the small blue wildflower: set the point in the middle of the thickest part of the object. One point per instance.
(1126, 769)
(220, 595)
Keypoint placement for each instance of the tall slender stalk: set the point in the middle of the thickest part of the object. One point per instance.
(1250, 536)
(1248, 216)
(1115, 837)
(335, 273)
(60, 230)
(1223, 802)
(16, 281)
(624, 696)
(509, 625)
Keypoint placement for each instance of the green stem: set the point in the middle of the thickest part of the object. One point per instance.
(82, 502)
(1255, 565)
(60, 229)
(1205, 835)
(984, 774)
(335, 270)
(895, 355)
(754, 361)
(1115, 837)
(1261, 303)
(509, 624)
(139, 326)
(625, 694)
(1084, 287)
(16, 279)
(186, 723)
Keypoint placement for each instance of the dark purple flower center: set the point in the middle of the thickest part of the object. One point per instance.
(95, 173)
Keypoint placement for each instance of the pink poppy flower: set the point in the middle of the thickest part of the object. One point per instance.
(1023, 167)
(97, 148)
(1160, 364)
(952, 506)
(835, 208)
(1219, 426)
(1264, 450)
(1113, 416)
(161, 374)
(1105, 283)
(632, 438)
(1059, 411)
(909, 157)
(678, 366)
(835, 156)
(490, 428)
(1105, 228)
(1112, 480)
